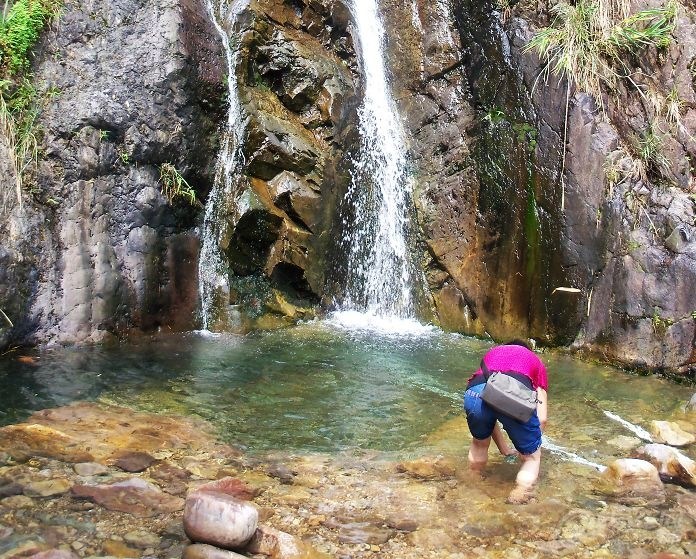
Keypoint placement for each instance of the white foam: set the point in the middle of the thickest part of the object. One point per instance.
(386, 325)
(569, 455)
(635, 429)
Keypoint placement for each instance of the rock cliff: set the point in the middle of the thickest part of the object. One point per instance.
(514, 200)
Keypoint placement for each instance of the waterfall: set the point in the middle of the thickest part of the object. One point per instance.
(220, 209)
(380, 273)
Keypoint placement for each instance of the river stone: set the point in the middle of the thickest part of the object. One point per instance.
(364, 532)
(142, 539)
(204, 551)
(9, 488)
(281, 545)
(230, 486)
(26, 440)
(134, 496)
(90, 469)
(55, 554)
(117, 548)
(429, 468)
(219, 519)
(47, 488)
(133, 462)
(670, 433)
(24, 547)
(17, 502)
(672, 465)
(632, 482)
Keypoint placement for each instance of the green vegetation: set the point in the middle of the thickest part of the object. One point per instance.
(659, 323)
(21, 24)
(648, 149)
(174, 185)
(587, 45)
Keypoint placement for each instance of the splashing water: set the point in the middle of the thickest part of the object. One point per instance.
(380, 268)
(220, 207)
(637, 430)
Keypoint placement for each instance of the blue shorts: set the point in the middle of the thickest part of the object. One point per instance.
(481, 419)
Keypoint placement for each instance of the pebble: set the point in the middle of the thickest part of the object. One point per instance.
(142, 539)
(90, 469)
(17, 502)
(48, 488)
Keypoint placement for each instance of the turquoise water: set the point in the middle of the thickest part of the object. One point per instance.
(318, 387)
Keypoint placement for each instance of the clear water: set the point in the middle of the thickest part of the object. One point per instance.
(377, 213)
(323, 387)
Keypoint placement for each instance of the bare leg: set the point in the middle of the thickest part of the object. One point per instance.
(478, 453)
(526, 478)
(501, 442)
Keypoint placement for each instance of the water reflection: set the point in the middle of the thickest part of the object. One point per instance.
(318, 387)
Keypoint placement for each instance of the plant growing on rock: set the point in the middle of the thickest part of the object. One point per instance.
(21, 23)
(586, 45)
(174, 185)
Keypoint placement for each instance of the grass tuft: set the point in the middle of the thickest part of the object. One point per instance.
(175, 186)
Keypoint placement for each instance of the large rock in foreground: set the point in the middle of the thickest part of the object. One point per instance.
(219, 519)
(632, 482)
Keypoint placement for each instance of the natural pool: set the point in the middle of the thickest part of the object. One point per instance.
(323, 387)
(343, 408)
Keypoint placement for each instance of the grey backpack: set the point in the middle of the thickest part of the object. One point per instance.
(509, 393)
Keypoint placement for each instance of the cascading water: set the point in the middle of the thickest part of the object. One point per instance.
(380, 272)
(220, 208)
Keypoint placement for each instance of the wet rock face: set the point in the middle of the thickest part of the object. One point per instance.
(293, 80)
(129, 86)
(627, 241)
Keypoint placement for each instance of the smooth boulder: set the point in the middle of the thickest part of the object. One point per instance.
(219, 519)
(672, 465)
(670, 433)
(632, 482)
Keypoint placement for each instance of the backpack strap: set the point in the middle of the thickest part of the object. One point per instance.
(484, 369)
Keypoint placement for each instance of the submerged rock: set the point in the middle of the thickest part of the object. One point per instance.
(204, 551)
(670, 433)
(87, 469)
(219, 519)
(672, 465)
(55, 554)
(135, 496)
(30, 439)
(281, 545)
(429, 468)
(632, 482)
(47, 488)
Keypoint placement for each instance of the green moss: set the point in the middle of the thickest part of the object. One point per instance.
(20, 29)
(19, 32)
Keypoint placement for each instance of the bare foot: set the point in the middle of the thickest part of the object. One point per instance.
(520, 495)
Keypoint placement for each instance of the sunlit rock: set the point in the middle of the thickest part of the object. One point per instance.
(17, 502)
(204, 551)
(281, 545)
(230, 486)
(87, 469)
(427, 467)
(117, 548)
(672, 465)
(135, 496)
(47, 488)
(670, 433)
(631, 481)
(31, 439)
(219, 519)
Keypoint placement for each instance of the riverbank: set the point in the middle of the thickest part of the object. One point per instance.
(59, 467)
